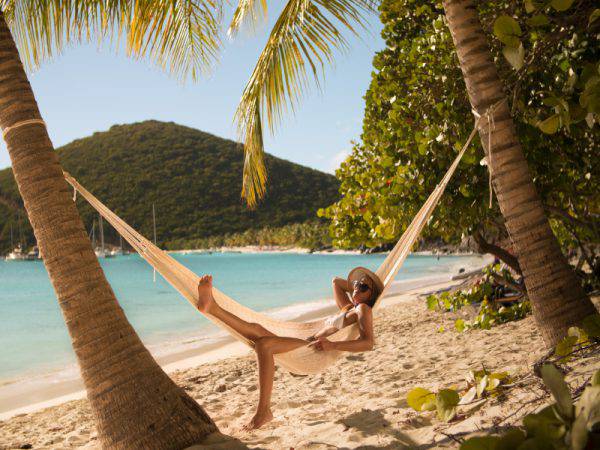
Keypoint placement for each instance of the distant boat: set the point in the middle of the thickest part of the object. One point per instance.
(33, 254)
(101, 251)
(16, 255)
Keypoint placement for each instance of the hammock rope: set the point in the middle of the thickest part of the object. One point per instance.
(304, 360)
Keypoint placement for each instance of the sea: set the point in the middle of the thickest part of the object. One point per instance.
(34, 338)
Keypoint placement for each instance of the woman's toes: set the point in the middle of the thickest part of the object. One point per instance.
(258, 420)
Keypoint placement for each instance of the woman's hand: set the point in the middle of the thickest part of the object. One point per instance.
(322, 344)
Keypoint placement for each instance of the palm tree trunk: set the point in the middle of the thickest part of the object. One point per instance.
(135, 404)
(556, 295)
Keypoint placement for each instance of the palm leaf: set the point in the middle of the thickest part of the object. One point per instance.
(301, 43)
(247, 12)
(182, 37)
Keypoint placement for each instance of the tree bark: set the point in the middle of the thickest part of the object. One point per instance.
(484, 246)
(556, 295)
(135, 404)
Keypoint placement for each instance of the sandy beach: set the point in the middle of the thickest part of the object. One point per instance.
(359, 403)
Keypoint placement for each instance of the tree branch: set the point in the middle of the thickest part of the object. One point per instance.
(484, 246)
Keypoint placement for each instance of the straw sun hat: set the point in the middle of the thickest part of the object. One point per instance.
(358, 272)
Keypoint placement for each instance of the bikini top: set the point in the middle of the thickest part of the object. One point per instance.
(337, 320)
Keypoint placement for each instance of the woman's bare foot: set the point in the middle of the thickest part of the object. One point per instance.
(259, 419)
(205, 297)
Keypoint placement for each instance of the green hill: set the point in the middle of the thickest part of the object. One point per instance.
(194, 179)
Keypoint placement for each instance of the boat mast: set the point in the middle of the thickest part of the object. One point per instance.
(20, 231)
(154, 221)
(154, 227)
(101, 234)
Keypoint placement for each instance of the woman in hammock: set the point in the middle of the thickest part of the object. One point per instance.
(355, 296)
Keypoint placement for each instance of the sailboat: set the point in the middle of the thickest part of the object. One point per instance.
(17, 254)
(101, 252)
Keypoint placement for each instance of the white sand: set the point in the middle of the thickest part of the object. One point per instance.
(359, 403)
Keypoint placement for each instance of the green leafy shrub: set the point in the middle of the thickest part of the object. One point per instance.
(417, 115)
(578, 337)
(561, 425)
(482, 293)
(446, 401)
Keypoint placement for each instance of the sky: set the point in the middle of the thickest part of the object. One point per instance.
(89, 88)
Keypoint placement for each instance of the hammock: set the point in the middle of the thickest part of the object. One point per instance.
(304, 360)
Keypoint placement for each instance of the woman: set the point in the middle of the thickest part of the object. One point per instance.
(363, 286)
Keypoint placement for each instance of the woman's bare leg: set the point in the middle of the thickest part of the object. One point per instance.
(207, 304)
(266, 347)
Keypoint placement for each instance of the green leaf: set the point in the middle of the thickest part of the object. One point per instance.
(480, 443)
(591, 325)
(544, 424)
(595, 15)
(418, 397)
(565, 346)
(539, 20)
(579, 433)
(493, 383)
(432, 302)
(515, 56)
(550, 125)
(579, 333)
(589, 405)
(459, 325)
(561, 5)
(446, 401)
(554, 380)
(511, 439)
(530, 6)
(507, 30)
(537, 443)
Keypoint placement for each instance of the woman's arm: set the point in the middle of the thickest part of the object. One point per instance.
(340, 289)
(364, 343)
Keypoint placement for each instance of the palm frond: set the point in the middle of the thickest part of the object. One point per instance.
(301, 43)
(248, 12)
(182, 37)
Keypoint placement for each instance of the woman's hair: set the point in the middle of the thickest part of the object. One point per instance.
(374, 294)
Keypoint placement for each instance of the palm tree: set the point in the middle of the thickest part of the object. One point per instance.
(557, 297)
(135, 404)
(303, 36)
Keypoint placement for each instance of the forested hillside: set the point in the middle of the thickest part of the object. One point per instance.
(194, 179)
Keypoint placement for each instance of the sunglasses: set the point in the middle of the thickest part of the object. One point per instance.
(361, 286)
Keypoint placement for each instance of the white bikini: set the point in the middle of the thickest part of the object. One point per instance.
(337, 321)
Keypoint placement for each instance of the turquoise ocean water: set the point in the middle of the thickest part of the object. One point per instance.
(34, 338)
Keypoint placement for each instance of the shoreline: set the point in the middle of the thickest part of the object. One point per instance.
(23, 397)
(303, 250)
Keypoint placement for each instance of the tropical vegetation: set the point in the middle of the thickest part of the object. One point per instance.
(417, 114)
(193, 180)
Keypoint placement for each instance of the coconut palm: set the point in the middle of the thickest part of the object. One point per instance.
(557, 297)
(303, 37)
(135, 404)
